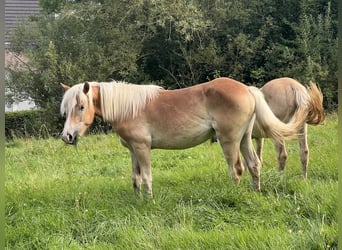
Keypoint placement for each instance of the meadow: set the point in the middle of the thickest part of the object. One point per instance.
(65, 197)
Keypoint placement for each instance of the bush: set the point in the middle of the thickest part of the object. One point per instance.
(24, 124)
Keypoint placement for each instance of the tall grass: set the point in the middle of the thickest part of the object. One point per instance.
(61, 197)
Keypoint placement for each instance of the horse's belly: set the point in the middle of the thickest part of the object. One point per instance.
(181, 138)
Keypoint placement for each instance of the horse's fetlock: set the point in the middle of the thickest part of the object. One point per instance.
(256, 184)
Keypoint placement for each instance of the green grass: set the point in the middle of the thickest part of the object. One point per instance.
(61, 197)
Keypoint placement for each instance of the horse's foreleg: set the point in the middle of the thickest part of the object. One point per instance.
(304, 150)
(281, 154)
(136, 174)
(142, 154)
(259, 146)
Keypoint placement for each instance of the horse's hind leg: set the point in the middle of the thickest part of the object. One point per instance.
(251, 159)
(259, 147)
(304, 149)
(232, 155)
(281, 154)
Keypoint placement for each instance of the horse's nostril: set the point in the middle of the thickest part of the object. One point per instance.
(69, 137)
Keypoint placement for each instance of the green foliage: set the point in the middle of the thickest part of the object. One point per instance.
(52, 6)
(61, 197)
(318, 45)
(24, 124)
(176, 44)
(41, 124)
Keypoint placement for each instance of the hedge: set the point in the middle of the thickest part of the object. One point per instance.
(23, 123)
(37, 123)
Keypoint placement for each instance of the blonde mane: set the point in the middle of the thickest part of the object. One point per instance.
(120, 100)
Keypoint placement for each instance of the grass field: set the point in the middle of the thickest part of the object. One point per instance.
(62, 197)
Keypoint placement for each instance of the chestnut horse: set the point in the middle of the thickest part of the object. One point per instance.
(148, 116)
(284, 96)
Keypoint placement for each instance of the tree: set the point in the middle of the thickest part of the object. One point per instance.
(317, 47)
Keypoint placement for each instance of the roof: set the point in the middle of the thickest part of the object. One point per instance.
(16, 10)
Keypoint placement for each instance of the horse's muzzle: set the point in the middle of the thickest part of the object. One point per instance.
(69, 139)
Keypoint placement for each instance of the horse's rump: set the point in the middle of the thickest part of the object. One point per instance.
(287, 98)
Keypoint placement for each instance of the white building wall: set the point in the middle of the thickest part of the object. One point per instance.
(16, 10)
(18, 106)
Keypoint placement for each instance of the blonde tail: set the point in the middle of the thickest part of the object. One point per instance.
(269, 125)
(316, 111)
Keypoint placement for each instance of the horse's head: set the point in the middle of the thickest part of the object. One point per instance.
(78, 109)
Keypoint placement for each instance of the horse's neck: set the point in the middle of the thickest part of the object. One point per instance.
(97, 100)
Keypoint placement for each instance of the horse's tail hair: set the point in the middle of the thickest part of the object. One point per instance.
(315, 114)
(269, 125)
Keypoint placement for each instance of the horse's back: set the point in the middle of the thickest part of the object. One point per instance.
(283, 83)
(220, 93)
(186, 117)
(233, 94)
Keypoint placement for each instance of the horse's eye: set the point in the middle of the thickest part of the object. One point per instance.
(81, 107)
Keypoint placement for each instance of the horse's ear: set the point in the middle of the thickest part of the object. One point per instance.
(65, 87)
(86, 87)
